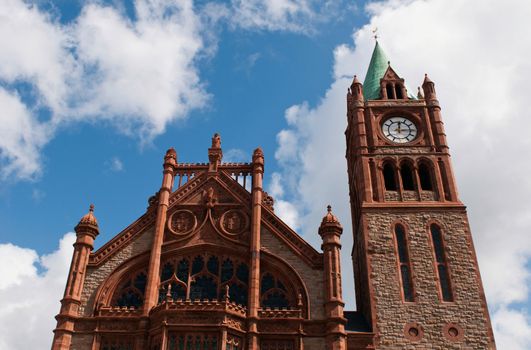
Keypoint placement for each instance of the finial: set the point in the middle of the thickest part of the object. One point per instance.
(299, 299)
(227, 295)
(216, 141)
(88, 220)
(375, 34)
(168, 293)
(329, 208)
(389, 63)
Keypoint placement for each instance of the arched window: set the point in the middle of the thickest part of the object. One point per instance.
(398, 91)
(390, 92)
(274, 293)
(403, 259)
(131, 292)
(425, 177)
(205, 277)
(407, 177)
(389, 177)
(441, 263)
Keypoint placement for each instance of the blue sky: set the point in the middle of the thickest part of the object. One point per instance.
(92, 93)
(253, 76)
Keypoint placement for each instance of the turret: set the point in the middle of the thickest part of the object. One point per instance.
(330, 231)
(86, 232)
(429, 89)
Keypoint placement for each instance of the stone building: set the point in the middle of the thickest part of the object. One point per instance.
(210, 266)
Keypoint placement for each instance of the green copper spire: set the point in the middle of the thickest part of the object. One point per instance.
(377, 68)
(375, 72)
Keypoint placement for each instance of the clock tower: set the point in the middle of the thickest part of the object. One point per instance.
(417, 278)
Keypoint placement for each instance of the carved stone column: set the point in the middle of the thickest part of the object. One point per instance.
(152, 287)
(254, 278)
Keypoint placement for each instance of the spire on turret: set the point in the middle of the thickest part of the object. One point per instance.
(88, 223)
(356, 89)
(429, 88)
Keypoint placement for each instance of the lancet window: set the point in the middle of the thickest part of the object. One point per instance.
(406, 173)
(425, 177)
(404, 264)
(389, 177)
(205, 276)
(131, 292)
(441, 263)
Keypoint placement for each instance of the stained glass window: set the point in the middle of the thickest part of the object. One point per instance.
(131, 292)
(205, 278)
(274, 294)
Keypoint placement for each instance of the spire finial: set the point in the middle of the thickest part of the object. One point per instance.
(329, 208)
(216, 141)
(375, 34)
(91, 208)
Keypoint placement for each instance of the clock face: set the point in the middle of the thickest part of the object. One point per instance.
(399, 129)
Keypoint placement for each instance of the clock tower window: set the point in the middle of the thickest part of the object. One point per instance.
(406, 173)
(425, 177)
(389, 177)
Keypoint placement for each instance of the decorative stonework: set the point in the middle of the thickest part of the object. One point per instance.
(234, 222)
(453, 332)
(182, 222)
(413, 331)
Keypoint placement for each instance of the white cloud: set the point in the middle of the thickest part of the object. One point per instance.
(115, 164)
(300, 16)
(28, 298)
(140, 75)
(35, 51)
(479, 67)
(21, 138)
(235, 155)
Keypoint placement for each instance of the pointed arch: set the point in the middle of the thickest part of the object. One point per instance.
(441, 262)
(404, 263)
(407, 175)
(389, 175)
(425, 172)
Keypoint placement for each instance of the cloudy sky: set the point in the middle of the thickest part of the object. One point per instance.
(92, 93)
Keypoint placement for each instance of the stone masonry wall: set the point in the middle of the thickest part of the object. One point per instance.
(81, 342)
(311, 343)
(428, 310)
(313, 279)
(95, 276)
